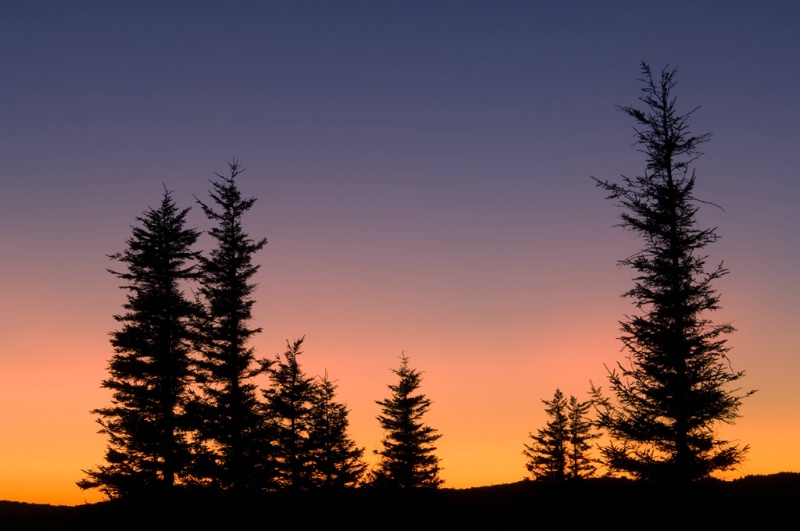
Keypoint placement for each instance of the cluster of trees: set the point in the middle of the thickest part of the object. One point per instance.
(562, 449)
(675, 387)
(186, 407)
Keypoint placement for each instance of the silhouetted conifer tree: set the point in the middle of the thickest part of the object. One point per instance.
(580, 431)
(337, 461)
(288, 408)
(547, 455)
(232, 452)
(150, 370)
(674, 390)
(407, 457)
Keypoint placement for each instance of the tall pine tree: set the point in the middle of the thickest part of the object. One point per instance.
(674, 390)
(232, 453)
(407, 458)
(150, 371)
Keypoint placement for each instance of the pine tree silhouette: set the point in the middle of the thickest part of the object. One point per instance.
(150, 370)
(407, 456)
(674, 390)
(231, 454)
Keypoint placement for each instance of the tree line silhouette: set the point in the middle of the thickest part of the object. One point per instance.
(187, 412)
(674, 389)
(186, 409)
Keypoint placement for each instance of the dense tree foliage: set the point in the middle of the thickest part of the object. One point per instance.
(675, 388)
(288, 403)
(561, 450)
(407, 457)
(150, 371)
(580, 433)
(185, 397)
(232, 453)
(547, 454)
(308, 428)
(337, 461)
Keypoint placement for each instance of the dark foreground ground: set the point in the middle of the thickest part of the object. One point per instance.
(757, 502)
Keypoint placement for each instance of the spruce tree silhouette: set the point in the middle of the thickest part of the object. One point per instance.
(547, 455)
(561, 449)
(337, 461)
(308, 428)
(288, 404)
(231, 451)
(674, 390)
(580, 431)
(150, 370)
(407, 456)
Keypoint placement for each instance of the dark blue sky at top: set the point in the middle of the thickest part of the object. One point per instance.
(156, 76)
(383, 124)
(379, 112)
(411, 107)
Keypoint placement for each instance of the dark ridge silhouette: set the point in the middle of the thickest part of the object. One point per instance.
(762, 501)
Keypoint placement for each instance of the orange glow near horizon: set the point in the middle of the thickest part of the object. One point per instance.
(490, 348)
(483, 405)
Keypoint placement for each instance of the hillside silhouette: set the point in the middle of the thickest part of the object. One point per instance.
(758, 500)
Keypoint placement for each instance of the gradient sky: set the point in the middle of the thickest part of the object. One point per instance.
(423, 174)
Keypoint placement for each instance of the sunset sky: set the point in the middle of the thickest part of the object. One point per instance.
(423, 174)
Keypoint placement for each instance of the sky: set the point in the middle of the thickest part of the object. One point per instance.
(423, 174)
